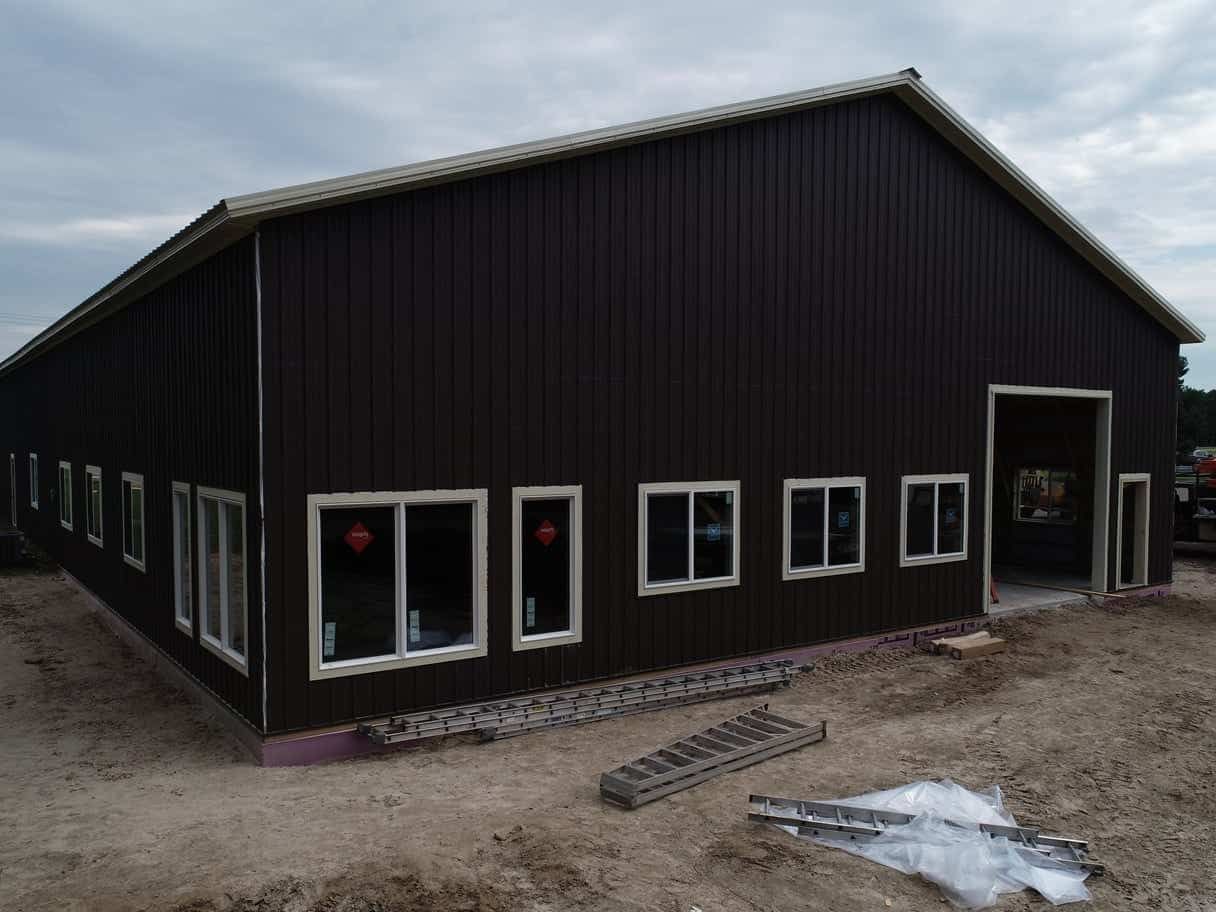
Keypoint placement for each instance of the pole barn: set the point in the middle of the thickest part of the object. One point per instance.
(736, 382)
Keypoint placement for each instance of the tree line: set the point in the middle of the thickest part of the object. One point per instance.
(1196, 414)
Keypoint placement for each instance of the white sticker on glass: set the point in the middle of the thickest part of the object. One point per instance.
(331, 634)
(415, 626)
(530, 619)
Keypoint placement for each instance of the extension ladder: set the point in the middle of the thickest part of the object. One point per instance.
(503, 718)
(823, 818)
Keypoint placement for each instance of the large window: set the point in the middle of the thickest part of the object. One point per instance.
(34, 480)
(133, 519)
(547, 560)
(65, 494)
(223, 577)
(688, 536)
(92, 505)
(934, 522)
(824, 526)
(183, 559)
(396, 579)
(1047, 496)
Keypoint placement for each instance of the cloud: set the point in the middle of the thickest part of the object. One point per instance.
(123, 231)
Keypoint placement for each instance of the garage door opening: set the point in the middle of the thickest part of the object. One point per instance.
(1047, 498)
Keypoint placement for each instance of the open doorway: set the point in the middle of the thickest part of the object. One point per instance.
(1132, 542)
(1048, 483)
(12, 490)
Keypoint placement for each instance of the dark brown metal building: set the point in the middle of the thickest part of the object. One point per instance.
(719, 384)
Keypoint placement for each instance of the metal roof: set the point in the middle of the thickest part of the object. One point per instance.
(238, 216)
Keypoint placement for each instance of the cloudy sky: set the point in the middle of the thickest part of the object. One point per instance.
(121, 121)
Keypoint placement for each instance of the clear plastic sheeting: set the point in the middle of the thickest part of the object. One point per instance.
(971, 868)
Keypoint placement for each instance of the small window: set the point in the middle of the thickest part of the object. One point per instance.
(824, 526)
(92, 504)
(548, 551)
(934, 522)
(65, 495)
(183, 559)
(223, 600)
(1047, 496)
(34, 480)
(133, 519)
(687, 536)
(396, 579)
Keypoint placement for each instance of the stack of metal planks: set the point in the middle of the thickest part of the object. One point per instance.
(738, 742)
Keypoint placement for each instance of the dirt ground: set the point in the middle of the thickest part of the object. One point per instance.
(118, 793)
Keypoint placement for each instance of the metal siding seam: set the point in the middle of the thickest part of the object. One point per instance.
(257, 285)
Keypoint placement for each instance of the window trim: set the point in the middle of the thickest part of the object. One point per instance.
(573, 634)
(99, 539)
(963, 478)
(134, 478)
(34, 480)
(70, 501)
(184, 624)
(788, 572)
(220, 647)
(478, 498)
(689, 488)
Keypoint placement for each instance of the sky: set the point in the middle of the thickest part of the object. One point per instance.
(121, 122)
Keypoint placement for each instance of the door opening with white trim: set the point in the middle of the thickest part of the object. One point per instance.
(1047, 519)
(1132, 539)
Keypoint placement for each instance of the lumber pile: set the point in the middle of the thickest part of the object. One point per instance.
(980, 643)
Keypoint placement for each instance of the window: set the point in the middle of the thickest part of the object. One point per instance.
(547, 561)
(934, 522)
(92, 504)
(65, 495)
(133, 519)
(222, 596)
(687, 536)
(824, 526)
(183, 559)
(34, 480)
(396, 579)
(1046, 496)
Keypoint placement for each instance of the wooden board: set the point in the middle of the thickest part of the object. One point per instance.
(980, 648)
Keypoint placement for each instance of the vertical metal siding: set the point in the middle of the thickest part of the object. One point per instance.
(165, 388)
(823, 293)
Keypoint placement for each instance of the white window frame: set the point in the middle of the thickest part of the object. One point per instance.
(90, 472)
(34, 480)
(689, 488)
(134, 478)
(185, 623)
(937, 480)
(574, 633)
(221, 647)
(789, 572)
(70, 501)
(478, 498)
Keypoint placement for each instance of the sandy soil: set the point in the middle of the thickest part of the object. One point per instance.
(117, 793)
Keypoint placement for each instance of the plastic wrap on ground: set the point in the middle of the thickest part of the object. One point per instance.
(971, 868)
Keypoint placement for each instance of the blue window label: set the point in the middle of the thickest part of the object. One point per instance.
(713, 532)
(842, 520)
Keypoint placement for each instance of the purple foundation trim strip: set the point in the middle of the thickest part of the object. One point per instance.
(306, 749)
